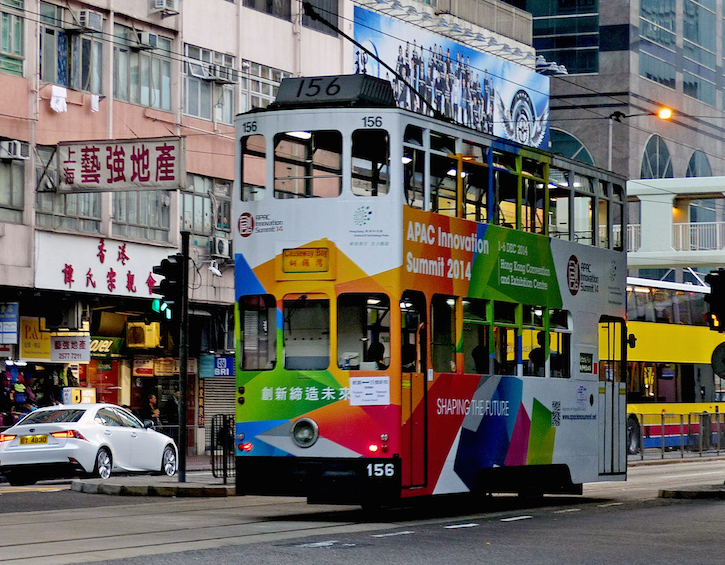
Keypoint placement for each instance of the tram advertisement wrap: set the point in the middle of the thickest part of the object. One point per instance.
(478, 260)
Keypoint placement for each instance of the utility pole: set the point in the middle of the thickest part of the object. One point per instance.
(183, 355)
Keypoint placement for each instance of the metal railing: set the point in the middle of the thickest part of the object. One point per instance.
(223, 455)
(698, 432)
(698, 236)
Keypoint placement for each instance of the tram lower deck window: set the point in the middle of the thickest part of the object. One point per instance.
(306, 332)
(258, 317)
(363, 331)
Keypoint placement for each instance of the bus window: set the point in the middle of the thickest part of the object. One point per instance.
(306, 332)
(412, 331)
(370, 161)
(258, 316)
(363, 331)
(443, 185)
(443, 333)
(414, 171)
(254, 168)
(308, 164)
(475, 337)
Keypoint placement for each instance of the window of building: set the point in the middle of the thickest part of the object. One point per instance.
(370, 162)
(279, 8)
(306, 332)
(76, 212)
(656, 163)
(68, 58)
(209, 79)
(142, 76)
(12, 190)
(327, 9)
(205, 205)
(563, 143)
(142, 214)
(443, 333)
(254, 168)
(363, 331)
(259, 85)
(699, 165)
(12, 46)
(258, 317)
(308, 164)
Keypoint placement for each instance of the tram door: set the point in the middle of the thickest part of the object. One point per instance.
(414, 413)
(612, 396)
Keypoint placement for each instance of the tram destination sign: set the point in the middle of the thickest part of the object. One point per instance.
(121, 164)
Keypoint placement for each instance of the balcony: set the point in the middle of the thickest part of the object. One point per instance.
(700, 236)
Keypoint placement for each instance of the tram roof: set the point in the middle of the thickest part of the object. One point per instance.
(342, 91)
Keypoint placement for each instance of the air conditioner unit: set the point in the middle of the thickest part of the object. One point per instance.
(221, 247)
(64, 314)
(143, 336)
(164, 7)
(147, 40)
(86, 21)
(221, 74)
(14, 150)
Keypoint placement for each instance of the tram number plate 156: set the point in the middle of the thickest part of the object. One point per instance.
(380, 470)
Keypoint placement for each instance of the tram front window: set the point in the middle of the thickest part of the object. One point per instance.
(370, 161)
(363, 331)
(308, 164)
(306, 332)
(258, 315)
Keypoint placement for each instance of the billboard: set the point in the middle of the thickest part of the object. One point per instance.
(481, 91)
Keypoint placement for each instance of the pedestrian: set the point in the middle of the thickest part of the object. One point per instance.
(149, 411)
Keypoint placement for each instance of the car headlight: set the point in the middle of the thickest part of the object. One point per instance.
(305, 432)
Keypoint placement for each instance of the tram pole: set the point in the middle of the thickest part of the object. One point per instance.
(183, 355)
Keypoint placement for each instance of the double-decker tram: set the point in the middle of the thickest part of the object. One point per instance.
(422, 309)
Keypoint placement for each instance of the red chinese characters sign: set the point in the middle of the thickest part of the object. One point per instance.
(110, 165)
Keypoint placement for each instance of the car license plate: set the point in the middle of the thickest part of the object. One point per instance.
(26, 440)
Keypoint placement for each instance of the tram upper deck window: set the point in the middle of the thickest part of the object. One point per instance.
(617, 217)
(603, 220)
(370, 162)
(559, 197)
(583, 210)
(475, 182)
(414, 177)
(413, 136)
(505, 198)
(442, 143)
(258, 316)
(443, 185)
(363, 331)
(254, 168)
(306, 332)
(308, 164)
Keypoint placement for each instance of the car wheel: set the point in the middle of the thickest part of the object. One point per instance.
(168, 461)
(22, 479)
(104, 464)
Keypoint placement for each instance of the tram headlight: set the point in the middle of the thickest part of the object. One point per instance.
(305, 432)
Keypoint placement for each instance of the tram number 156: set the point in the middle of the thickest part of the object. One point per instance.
(381, 470)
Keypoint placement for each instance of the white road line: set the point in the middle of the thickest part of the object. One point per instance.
(567, 510)
(455, 526)
(515, 518)
(610, 504)
(392, 534)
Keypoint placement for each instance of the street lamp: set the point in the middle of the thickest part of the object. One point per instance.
(663, 113)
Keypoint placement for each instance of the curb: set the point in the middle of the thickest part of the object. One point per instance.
(714, 492)
(89, 487)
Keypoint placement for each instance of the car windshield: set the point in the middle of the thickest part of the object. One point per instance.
(53, 416)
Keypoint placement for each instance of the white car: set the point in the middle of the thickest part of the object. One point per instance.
(86, 439)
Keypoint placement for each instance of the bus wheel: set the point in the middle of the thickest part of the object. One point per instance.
(634, 435)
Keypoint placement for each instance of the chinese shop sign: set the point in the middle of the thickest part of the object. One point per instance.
(70, 349)
(111, 165)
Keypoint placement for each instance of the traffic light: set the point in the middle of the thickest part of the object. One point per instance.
(716, 300)
(169, 286)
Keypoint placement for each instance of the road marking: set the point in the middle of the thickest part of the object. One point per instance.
(392, 534)
(323, 544)
(515, 518)
(454, 526)
(567, 510)
(8, 490)
(610, 504)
